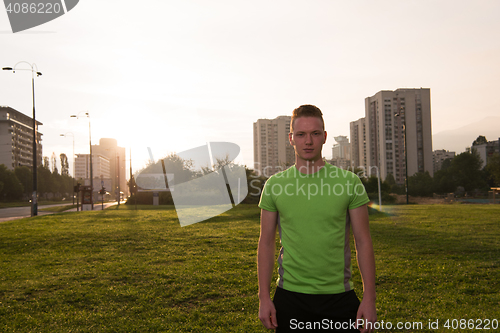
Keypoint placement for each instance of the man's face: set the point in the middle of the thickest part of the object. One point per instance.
(308, 138)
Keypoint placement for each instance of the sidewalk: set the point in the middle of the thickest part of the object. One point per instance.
(22, 212)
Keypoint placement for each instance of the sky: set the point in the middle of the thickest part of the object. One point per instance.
(173, 75)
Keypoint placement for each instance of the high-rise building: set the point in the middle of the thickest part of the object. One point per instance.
(342, 149)
(358, 143)
(100, 168)
(385, 114)
(341, 152)
(16, 139)
(441, 155)
(116, 155)
(271, 148)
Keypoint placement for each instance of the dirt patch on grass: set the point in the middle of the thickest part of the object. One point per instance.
(401, 199)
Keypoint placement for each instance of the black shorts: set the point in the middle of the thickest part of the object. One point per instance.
(297, 312)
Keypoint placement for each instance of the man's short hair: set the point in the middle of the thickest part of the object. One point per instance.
(306, 111)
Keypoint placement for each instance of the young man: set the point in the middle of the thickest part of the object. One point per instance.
(314, 204)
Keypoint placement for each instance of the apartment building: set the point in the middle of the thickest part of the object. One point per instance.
(341, 149)
(439, 156)
(388, 116)
(341, 152)
(100, 168)
(272, 150)
(16, 139)
(486, 150)
(358, 143)
(117, 162)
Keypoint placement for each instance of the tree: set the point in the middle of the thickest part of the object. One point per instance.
(46, 163)
(391, 185)
(443, 181)
(25, 176)
(151, 176)
(493, 169)
(371, 185)
(420, 184)
(480, 140)
(12, 188)
(132, 186)
(53, 160)
(389, 180)
(56, 185)
(44, 179)
(64, 164)
(465, 170)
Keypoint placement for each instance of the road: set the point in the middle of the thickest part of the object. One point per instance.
(7, 214)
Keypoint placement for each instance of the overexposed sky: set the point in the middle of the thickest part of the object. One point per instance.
(172, 75)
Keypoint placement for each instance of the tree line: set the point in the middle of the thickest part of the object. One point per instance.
(17, 184)
(461, 175)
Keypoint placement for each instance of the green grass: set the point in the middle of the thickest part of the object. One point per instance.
(438, 262)
(127, 270)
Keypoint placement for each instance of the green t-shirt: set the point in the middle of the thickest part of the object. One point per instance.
(314, 227)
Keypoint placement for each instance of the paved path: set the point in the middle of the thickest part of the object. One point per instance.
(14, 213)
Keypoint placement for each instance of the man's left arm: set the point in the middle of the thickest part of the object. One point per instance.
(366, 263)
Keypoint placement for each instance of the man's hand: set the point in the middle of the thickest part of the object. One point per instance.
(267, 314)
(368, 314)
(366, 263)
(265, 264)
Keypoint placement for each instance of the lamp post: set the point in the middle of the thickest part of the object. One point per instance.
(402, 112)
(65, 135)
(34, 69)
(77, 116)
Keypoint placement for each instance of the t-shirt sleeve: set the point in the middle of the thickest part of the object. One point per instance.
(358, 194)
(266, 198)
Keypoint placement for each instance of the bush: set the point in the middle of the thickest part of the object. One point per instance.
(387, 198)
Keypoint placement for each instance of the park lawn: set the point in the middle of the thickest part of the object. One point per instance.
(127, 270)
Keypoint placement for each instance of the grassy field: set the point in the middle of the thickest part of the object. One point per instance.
(139, 271)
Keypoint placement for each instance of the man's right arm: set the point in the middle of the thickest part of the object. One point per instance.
(265, 266)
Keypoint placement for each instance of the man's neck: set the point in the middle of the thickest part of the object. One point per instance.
(309, 167)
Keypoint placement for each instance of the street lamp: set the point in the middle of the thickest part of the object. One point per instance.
(34, 69)
(65, 135)
(77, 116)
(402, 112)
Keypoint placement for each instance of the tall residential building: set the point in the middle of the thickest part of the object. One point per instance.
(341, 152)
(342, 149)
(439, 156)
(271, 149)
(385, 114)
(117, 162)
(16, 139)
(358, 143)
(100, 168)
